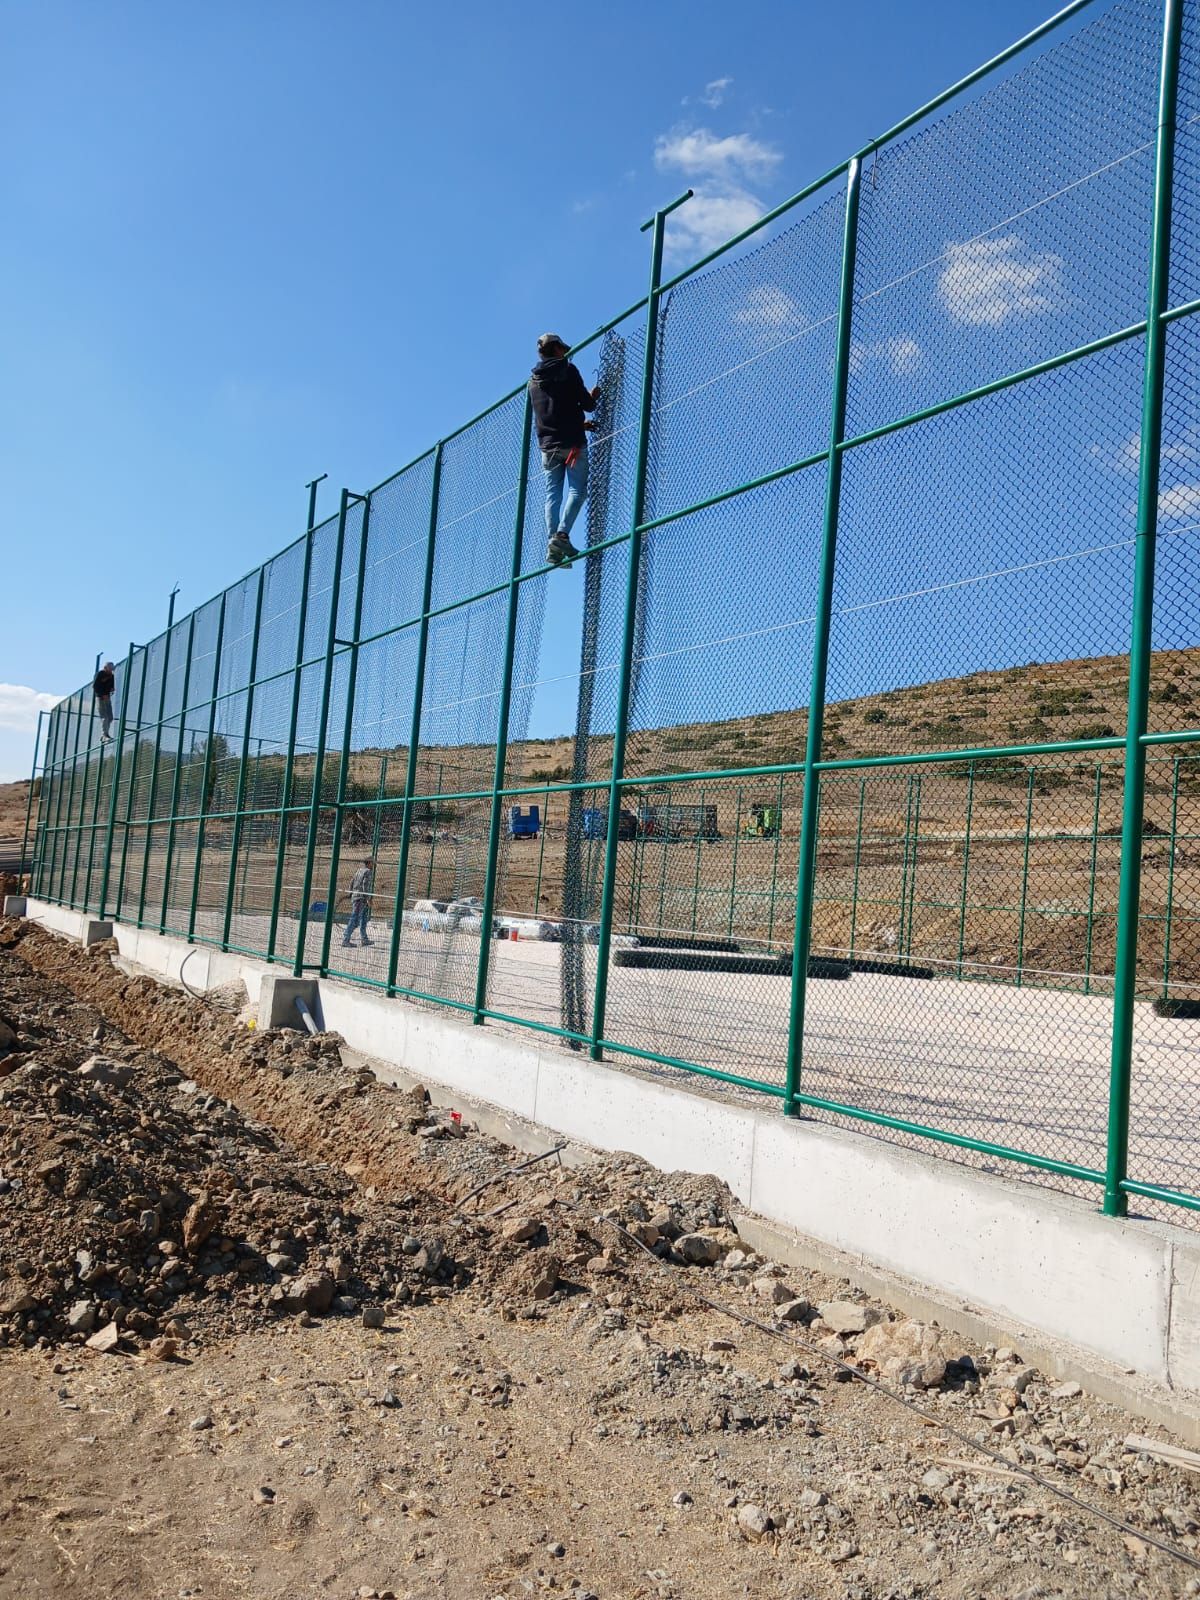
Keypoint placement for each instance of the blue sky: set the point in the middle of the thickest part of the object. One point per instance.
(246, 245)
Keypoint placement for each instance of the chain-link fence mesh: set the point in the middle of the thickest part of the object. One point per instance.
(877, 476)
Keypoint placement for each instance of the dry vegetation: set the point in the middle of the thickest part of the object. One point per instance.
(1029, 845)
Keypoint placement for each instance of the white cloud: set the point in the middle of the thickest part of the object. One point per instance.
(19, 706)
(721, 171)
(714, 92)
(769, 307)
(988, 281)
(700, 154)
(1128, 457)
(709, 219)
(1181, 501)
(900, 354)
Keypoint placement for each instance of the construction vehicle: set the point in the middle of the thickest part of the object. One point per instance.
(595, 824)
(524, 823)
(762, 820)
(672, 822)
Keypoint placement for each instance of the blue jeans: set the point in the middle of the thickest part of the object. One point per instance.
(359, 910)
(560, 513)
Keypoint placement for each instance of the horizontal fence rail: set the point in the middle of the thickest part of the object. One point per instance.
(855, 762)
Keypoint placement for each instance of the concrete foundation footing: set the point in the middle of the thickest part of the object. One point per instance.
(14, 905)
(94, 931)
(277, 998)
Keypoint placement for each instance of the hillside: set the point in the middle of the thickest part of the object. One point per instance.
(1002, 864)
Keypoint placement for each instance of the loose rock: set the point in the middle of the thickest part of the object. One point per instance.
(843, 1316)
(753, 1522)
(698, 1250)
(107, 1341)
(907, 1352)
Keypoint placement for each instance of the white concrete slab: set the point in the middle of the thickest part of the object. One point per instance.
(678, 1132)
(1013, 1249)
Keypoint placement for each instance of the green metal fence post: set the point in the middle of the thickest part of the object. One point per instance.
(775, 868)
(110, 830)
(537, 888)
(94, 825)
(183, 710)
(63, 820)
(335, 844)
(377, 822)
(1025, 877)
(901, 937)
(806, 866)
(1091, 910)
(239, 800)
(51, 799)
(912, 879)
(47, 797)
(414, 730)
(1171, 877)
(208, 763)
(131, 790)
(85, 786)
(657, 225)
(1141, 642)
(71, 829)
(510, 646)
(966, 869)
(318, 783)
(83, 800)
(906, 880)
(662, 882)
(37, 745)
(858, 832)
(152, 799)
(64, 739)
(285, 795)
(737, 832)
(696, 874)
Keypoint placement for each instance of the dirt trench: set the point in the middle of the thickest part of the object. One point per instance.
(492, 1393)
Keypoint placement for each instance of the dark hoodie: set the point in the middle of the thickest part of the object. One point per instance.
(559, 397)
(103, 684)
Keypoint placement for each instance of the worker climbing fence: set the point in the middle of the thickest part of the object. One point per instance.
(863, 734)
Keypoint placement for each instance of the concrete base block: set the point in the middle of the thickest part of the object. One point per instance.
(14, 905)
(277, 998)
(94, 931)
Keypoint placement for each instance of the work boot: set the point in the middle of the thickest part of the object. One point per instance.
(560, 549)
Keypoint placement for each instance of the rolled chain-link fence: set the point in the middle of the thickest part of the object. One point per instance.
(856, 761)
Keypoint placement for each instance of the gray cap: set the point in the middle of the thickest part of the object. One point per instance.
(547, 339)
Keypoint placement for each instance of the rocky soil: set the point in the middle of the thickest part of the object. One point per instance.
(273, 1328)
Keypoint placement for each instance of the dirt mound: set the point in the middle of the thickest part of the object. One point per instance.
(543, 1409)
(290, 1182)
(132, 1199)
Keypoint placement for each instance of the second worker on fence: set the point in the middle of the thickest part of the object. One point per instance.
(559, 398)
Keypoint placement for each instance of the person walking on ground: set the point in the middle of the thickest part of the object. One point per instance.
(559, 398)
(103, 685)
(361, 885)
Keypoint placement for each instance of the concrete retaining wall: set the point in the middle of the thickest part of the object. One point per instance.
(1115, 1304)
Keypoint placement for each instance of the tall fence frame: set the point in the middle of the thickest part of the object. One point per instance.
(91, 817)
